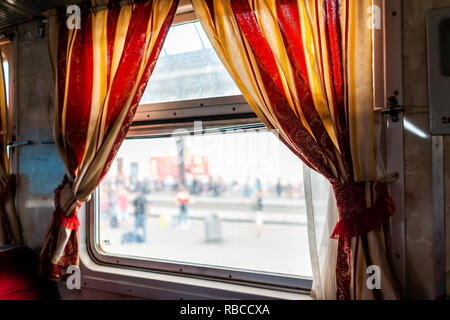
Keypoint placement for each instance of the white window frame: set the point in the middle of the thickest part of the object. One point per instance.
(212, 108)
(395, 158)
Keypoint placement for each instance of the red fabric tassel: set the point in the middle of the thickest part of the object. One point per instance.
(71, 220)
(355, 219)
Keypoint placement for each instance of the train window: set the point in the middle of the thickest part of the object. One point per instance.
(223, 201)
(188, 68)
(6, 79)
(229, 200)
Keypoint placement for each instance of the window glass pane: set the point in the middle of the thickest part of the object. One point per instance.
(188, 68)
(6, 78)
(241, 204)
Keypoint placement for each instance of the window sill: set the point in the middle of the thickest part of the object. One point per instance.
(154, 285)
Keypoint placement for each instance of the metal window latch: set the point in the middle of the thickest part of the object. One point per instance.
(392, 109)
(14, 144)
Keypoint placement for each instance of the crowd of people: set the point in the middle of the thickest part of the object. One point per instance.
(216, 187)
(123, 199)
(117, 196)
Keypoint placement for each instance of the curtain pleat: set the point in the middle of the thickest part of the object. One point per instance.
(10, 232)
(305, 67)
(321, 213)
(101, 71)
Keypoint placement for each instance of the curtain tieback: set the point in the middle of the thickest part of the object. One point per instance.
(362, 206)
(67, 205)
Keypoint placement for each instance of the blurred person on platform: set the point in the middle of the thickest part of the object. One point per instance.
(122, 196)
(259, 208)
(182, 199)
(140, 214)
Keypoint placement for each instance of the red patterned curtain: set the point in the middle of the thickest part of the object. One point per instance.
(101, 71)
(305, 67)
(9, 223)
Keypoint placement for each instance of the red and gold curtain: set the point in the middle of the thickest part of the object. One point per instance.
(9, 223)
(101, 71)
(305, 67)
